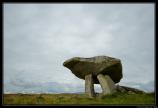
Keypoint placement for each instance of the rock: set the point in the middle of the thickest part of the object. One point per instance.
(129, 90)
(96, 65)
(107, 84)
(89, 87)
(132, 89)
(120, 89)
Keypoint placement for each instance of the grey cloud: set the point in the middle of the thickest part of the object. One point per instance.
(38, 38)
(23, 86)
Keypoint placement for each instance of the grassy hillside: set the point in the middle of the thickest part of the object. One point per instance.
(117, 98)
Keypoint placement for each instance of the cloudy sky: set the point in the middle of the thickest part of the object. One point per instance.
(38, 38)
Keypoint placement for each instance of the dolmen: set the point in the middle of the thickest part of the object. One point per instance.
(103, 70)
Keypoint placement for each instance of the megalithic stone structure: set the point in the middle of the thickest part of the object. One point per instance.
(102, 70)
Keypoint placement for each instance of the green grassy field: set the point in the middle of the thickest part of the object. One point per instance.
(117, 98)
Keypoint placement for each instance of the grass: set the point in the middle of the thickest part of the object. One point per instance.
(49, 99)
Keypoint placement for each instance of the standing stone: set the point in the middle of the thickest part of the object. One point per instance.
(107, 84)
(89, 86)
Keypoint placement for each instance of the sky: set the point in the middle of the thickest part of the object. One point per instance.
(38, 38)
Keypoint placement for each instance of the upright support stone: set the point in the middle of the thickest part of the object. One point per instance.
(89, 87)
(107, 84)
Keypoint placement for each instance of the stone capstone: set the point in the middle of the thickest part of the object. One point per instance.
(104, 65)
